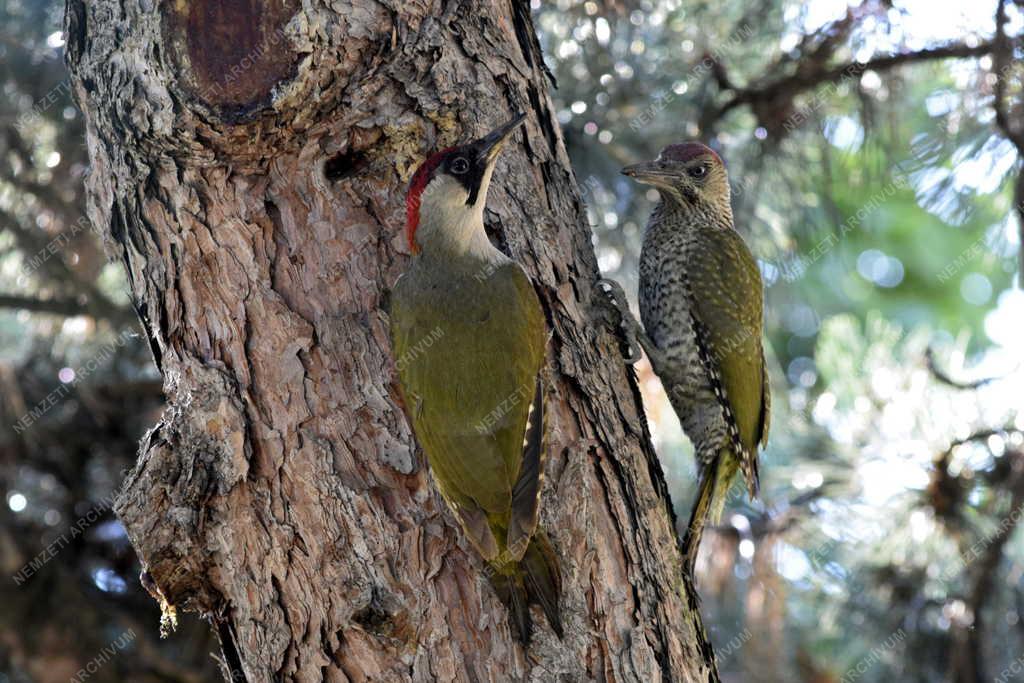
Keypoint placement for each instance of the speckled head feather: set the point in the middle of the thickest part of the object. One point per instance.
(685, 151)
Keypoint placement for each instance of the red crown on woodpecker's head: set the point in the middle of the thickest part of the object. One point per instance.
(684, 151)
(420, 179)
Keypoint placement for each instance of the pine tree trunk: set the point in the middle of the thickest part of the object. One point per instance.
(248, 165)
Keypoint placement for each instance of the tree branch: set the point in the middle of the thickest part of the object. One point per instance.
(1002, 62)
(34, 246)
(1002, 55)
(59, 306)
(969, 665)
(787, 87)
(947, 379)
(976, 436)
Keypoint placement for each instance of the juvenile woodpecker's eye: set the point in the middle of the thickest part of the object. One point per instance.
(459, 165)
(698, 171)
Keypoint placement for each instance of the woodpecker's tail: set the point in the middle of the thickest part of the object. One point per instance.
(543, 581)
(715, 480)
(533, 580)
(512, 593)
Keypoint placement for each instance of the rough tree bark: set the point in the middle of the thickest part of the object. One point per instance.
(248, 165)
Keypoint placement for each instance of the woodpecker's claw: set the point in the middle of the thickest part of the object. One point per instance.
(617, 298)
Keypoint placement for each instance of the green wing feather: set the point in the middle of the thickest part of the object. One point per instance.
(725, 284)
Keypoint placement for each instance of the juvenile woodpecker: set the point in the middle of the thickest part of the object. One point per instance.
(701, 303)
(469, 334)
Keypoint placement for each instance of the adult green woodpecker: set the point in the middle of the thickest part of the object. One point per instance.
(701, 303)
(469, 338)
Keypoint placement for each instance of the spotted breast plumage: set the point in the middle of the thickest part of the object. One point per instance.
(701, 304)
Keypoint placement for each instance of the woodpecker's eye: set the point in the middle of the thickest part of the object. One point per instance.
(698, 171)
(459, 165)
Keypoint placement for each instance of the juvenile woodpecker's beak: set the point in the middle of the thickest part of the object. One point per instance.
(490, 145)
(647, 172)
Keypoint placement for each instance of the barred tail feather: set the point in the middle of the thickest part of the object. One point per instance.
(715, 480)
(752, 474)
(533, 580)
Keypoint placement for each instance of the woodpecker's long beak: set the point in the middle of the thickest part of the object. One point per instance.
(490, 145)
(647, 172)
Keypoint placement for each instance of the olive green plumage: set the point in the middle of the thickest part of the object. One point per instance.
(469, 352)
(727, 298)
(469, 392)
(725, 301)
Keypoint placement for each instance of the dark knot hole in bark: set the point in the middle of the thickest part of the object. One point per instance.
(373, 618)
(343, 165)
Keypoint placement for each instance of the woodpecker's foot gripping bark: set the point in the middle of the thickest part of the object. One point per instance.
(636, 338)
(615, 298)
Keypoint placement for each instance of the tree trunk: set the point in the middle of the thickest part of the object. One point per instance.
(248, 167)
